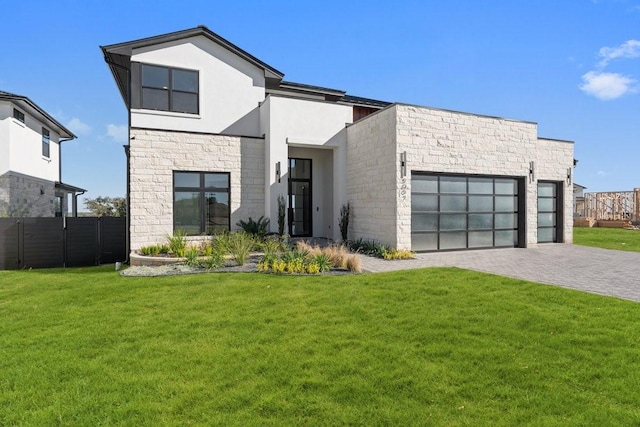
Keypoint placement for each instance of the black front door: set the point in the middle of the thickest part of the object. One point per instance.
(300, 198)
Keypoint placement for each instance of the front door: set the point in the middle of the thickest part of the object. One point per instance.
(300, 207)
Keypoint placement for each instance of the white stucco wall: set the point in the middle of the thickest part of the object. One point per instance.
(447, 142)
(155, 154)
(290, 123)
(22, 146)
(230, 89)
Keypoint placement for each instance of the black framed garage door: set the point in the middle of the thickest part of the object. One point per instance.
(453, 212)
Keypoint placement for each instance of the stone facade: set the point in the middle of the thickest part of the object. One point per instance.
(26, 196)
(448, 142)
(156, 154)
(372, 177)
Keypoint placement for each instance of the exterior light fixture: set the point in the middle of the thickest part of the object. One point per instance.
(532, 171)
(278, 172)
(569, 176)
(403, 164)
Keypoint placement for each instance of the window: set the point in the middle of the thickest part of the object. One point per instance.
(200, 202)
(18, 115)
(45, 142)
(169, 89)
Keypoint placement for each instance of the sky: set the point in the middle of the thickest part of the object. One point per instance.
(572, 66)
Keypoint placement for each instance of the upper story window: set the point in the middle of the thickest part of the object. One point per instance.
(169, 89)
(45, 142)
(18, 115)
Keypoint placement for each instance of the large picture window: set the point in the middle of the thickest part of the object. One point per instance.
(169, 89)
(201, 202)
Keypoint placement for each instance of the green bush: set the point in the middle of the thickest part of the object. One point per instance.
(192, 256)
(178, 243)
(238, 244)
(150, 250)
(213, 261)
(369, 247)
(258, 228)
(323, 262)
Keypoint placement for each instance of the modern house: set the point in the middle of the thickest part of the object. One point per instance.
(216, 135)
(30, 161)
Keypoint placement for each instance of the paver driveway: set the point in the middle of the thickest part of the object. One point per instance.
(600, 271)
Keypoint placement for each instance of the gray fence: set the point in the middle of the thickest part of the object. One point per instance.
(61, 242)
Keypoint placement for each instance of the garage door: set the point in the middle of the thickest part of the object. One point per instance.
(450, 212)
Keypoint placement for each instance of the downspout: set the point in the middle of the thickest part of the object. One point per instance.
(126, 150)
(74, 208)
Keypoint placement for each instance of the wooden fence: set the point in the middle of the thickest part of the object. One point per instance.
(613, 206)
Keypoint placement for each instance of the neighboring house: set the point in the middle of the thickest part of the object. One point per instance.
(578, 200)
(216, 135)
(30, 162)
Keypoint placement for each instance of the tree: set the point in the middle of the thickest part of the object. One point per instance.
(107, 206)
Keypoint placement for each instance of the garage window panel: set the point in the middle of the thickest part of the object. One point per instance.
(453, 212)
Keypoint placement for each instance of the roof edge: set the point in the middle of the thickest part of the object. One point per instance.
(62, 130)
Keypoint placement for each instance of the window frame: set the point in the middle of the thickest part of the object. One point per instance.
(46, 143)
(169, 89)
(18, 115)
(201, 190)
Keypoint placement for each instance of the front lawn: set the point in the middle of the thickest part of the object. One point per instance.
(607, 238)
(420, 347)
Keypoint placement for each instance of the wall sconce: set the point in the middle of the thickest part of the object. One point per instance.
(569, 176)
(403, 164)
(278, 172)
(532, 171)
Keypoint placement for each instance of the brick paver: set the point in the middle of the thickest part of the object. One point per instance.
(600, 271)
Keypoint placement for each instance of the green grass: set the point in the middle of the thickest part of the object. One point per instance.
(420, 347)
(607, 238)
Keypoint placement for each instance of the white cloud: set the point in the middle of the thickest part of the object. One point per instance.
(603, 173)
(607, 86)
(117, 133)
(628, 49)
(79, 127)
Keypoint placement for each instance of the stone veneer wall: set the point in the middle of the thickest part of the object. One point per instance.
(553, 160)
(155, 154)
(372, 177)
(451, 142)
(21, 196)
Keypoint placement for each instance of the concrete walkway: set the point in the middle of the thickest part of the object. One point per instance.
(599, 271)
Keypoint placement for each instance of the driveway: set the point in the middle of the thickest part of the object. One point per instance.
(599, 271)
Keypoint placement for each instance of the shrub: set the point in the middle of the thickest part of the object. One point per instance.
(178, 243)
(150, 250)
(258, 228)
(271, 245)
(345, 212)
(278, 266)
(307, 249)
(213, 261)
(237, 244)
(282, 210)
(393, 253)
(323, 262)
(192, 256)
(353, 264)
(206, 248)
(312, 268)
(164, 249)
(337, 255)
(369, 247)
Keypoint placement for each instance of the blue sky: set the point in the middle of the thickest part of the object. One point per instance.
(572, 66)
